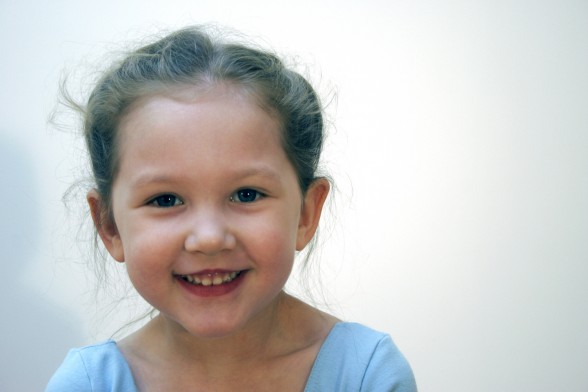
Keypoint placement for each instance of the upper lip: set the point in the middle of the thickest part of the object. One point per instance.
(210, 272)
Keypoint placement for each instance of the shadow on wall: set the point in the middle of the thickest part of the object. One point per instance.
(33, 331)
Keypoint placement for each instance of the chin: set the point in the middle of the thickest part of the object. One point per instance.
(214, 329)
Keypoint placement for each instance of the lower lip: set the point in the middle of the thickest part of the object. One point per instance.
(212, 290)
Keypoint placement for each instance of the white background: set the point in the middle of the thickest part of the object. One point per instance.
(459, 147)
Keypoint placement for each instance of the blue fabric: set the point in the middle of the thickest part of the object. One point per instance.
(97, 368)
(357, 358)
(352, 358)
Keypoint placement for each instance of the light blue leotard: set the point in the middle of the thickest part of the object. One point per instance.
(352, 358)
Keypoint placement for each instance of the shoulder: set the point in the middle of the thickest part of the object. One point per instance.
(356, 357)
(99, 367)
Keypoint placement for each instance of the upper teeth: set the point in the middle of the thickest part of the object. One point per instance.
(213, 279)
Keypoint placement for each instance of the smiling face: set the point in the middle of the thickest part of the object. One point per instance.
(207, 209)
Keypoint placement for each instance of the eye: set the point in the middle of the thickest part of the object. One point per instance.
(246, 195)
(166, 201)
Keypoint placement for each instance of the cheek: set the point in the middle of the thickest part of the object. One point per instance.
(150, 246)
(270, 237)
(149, 263)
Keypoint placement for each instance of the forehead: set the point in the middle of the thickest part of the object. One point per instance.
(201, 91)
(199, 126)
(223, 104)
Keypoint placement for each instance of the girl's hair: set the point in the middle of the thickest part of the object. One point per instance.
(191, 57)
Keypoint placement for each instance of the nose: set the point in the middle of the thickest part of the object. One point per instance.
(209, 234)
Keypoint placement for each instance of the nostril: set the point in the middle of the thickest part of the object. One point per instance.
(209, 242)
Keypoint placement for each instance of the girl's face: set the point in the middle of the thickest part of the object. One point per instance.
(207, 209)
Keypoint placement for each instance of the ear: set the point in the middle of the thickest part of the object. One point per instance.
(312, 206)
(105, 226)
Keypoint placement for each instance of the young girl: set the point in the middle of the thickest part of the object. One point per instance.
(204, 155)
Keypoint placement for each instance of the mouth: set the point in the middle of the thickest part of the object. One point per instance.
(210, 278)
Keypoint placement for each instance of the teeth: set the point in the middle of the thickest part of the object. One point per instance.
(211, 279)
(227, 277)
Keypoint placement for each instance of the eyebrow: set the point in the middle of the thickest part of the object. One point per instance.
(264, 171)
(261, 171)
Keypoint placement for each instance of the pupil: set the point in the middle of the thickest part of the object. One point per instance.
(166, 200)
(247, 195)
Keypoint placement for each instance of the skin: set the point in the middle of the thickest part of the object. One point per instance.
(204, 183)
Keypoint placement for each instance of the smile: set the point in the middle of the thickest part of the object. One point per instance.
(211, 278)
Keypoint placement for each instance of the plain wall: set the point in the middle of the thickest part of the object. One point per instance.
(459, 147)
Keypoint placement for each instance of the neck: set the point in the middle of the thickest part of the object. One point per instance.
(283, 342)
(257, 340)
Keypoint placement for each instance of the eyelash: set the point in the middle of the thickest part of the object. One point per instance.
(157, 201)
(235, 197)
(169, 200)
